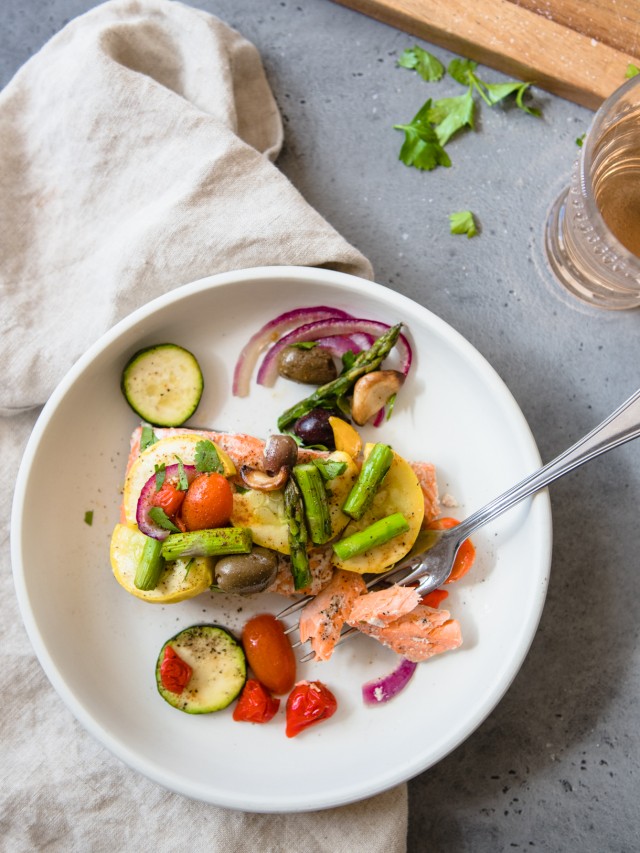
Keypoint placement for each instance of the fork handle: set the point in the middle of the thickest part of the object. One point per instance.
(621, 426)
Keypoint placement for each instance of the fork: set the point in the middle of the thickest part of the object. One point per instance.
(432, 568)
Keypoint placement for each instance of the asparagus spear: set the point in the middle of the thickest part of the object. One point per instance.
(150, 566)
(314, 498)
(365, 362)
(375, 534)
(294, 511)
(207, 543)
(373, 471)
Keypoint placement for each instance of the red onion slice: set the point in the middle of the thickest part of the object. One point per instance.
(269, 334)
(146, 525)
(383, 689)
(338, 345)
(268, 372)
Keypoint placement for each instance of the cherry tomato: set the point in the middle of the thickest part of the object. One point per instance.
(434, 598)
(208, 502)
(174, 672)
(256, 704)
(169, 498)
(269, 653)
(466, 553)
(309, 703)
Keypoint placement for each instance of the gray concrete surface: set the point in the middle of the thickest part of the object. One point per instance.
(556, 767)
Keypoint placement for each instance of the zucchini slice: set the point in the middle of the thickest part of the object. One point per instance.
(163, 384)
(218, 664)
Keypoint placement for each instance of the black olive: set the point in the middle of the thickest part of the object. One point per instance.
(314, 428)
(246, 573)
(313, 366)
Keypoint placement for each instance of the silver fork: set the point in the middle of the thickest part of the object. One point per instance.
(432, 568)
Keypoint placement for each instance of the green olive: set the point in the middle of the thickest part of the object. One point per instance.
(314, 366)
(246, 573)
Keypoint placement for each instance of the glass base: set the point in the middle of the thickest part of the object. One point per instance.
(589, 289)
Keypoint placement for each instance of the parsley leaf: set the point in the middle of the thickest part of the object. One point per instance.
(462, 69)
(161, 473)
(207, 458)
(147, 437)
(187, 568)
(183, 482)
(449, 115)
(463, 223)
(632, 70)
(330, 468)
(88, 517)
(426, 64)
(580, 140)
(160, 517)
(421, 147)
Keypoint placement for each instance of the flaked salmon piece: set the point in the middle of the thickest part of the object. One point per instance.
(418, 635)
(321, 569)
(383, 606)
(426, 474)
(322, 619)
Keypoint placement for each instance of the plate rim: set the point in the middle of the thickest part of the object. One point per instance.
(314, 276)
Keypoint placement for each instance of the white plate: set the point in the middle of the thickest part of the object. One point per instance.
(98, 645)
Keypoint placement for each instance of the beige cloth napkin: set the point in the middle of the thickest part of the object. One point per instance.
(135, 156)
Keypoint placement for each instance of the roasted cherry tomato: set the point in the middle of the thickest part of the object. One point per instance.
(309, 703)
(174, 672)
(169, 498)
(256, 704)
(434, 598)
(466, 553)
(208, 502)
(269, 653)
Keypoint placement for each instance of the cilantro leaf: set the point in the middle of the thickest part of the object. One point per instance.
(426, 64)
(632, 70)
(580, 140)
(207, 458)
(147, 437)
(88, 517)
(449, 115)
(462, 69)
(462, 222)
(160, 517)
(421, 147)
(347, 360)
(330, 468)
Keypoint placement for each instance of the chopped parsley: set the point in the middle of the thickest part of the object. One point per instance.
(207, 459)
(160, 517)
(426, 64)
(161, 473)
(330, 468)
(437, 121)
(632, 70)
(463, 222)
(147, 437)
(88, 517)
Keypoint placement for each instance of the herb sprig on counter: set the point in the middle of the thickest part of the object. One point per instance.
(436, 122)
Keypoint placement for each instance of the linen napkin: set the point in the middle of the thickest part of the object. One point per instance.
(136, 155)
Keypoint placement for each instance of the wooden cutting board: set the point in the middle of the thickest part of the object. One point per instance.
(578, 49)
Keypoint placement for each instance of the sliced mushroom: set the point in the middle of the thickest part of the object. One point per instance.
(254, 478)
(371, 392)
